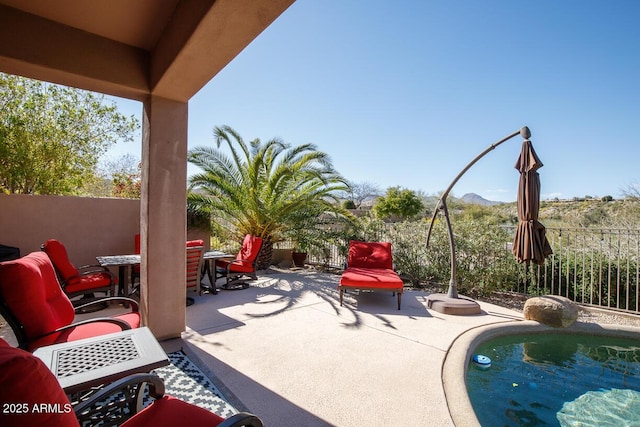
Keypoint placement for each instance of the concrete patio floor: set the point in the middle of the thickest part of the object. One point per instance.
(287, 351)
(290, 354)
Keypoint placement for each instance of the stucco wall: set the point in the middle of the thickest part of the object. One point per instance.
(88, 227)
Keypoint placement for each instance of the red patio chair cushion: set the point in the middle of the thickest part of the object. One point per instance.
(90, 281)
(88, 330)
(250, 248)
(74, 282)
(369, 255)
(169, 412)
(29, 393)
(58, 254)
(194, 243)
(367, 278)
(246, 256)
(30, 288)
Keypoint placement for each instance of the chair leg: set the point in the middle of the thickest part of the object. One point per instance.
(235, 283)
(341, 292)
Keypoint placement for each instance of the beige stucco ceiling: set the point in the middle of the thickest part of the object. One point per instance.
(129, 48)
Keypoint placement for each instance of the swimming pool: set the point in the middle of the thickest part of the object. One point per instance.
(547, 376)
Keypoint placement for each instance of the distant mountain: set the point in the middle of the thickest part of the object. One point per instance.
(474, 199)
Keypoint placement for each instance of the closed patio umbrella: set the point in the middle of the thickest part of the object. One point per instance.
(530, 243)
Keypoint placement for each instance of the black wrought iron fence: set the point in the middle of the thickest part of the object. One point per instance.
(597, 267)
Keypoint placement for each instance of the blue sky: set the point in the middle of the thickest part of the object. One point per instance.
(406, 93)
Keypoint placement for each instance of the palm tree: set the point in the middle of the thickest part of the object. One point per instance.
(264, 189)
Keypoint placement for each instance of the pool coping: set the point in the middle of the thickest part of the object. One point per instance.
(454, 368)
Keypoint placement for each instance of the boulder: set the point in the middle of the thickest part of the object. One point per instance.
(551, 310)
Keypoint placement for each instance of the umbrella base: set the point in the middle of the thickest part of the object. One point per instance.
(461, 306)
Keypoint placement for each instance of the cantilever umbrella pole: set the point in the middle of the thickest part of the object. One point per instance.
(442, 204)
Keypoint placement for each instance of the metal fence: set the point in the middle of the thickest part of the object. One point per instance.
(596, 267)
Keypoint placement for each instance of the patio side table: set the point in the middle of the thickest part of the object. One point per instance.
(83, 364)
(209, 270)
(122, 262)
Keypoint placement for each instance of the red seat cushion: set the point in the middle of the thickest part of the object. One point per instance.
(251, 246)
(371, 278)
(87, 282)
(170, 412)
(30, 395)
(237, 266)
(369, 255)
(87, 330)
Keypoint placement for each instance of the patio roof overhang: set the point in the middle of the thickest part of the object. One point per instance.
(160, 53)
(168, 48)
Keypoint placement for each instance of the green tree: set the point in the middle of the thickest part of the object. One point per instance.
(264, 189)
(398, 204)
(51, 137)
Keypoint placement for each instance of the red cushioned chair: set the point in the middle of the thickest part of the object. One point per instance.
(244, 266)
(195, 250)
(40, 313)
(27, 385)
(83, 280)
(370, 268)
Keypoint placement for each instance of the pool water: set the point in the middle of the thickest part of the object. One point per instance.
(557, 380)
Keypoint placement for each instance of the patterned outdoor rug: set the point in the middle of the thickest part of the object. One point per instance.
(184, 380)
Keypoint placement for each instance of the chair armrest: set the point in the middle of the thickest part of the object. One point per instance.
(134, 303)
(98, 267)
(242, 419)
(123, 325)
(156, 389)
(129, 387)
(132, 385)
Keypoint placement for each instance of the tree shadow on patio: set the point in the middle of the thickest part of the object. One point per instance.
(291, 289)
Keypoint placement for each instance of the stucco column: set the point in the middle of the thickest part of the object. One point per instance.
(163, 216)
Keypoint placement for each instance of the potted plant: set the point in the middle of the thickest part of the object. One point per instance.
(302, 241)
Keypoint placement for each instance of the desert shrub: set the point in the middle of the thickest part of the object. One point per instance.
(484, 264)
(410, 253)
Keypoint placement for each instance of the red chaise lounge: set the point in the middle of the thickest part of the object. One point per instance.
(370, 268)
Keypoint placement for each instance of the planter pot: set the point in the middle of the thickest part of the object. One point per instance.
(299, 258)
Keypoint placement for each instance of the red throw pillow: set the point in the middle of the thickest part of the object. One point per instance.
(30, 395)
